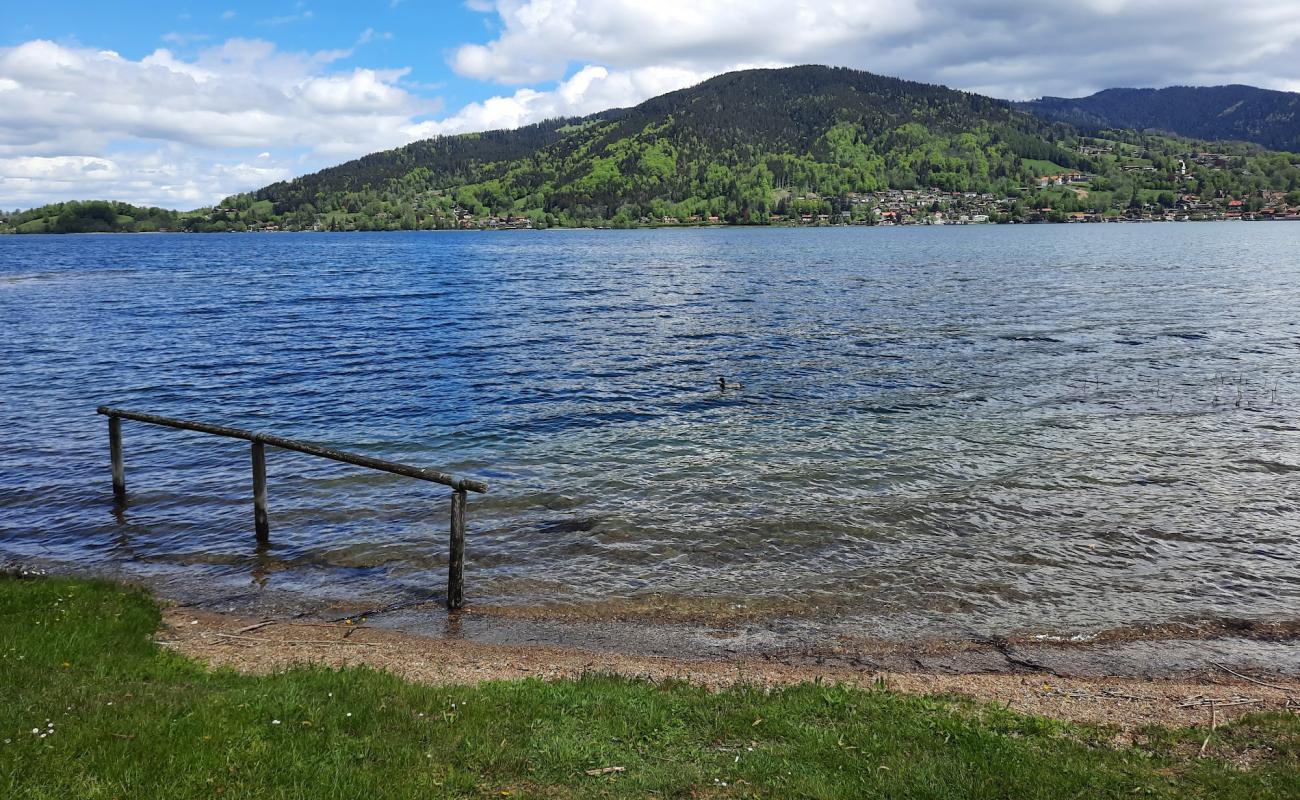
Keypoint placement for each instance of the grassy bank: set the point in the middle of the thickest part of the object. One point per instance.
(93, 709)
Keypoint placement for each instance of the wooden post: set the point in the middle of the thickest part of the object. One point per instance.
(260, 521)
(115, 454)
(456, 561)
(459, 500)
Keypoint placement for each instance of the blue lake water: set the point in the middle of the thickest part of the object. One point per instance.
(1035, 428)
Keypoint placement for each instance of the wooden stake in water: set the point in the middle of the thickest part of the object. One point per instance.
(115, 454)
(260, 521)
(456, 561)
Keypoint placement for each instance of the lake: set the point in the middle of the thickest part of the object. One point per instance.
(1039, 429)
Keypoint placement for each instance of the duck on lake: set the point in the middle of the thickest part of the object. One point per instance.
(723, 385)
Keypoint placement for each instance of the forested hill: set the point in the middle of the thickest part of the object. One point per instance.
(733, 119)
(96, 216)
(1241, 113)
(731, 147)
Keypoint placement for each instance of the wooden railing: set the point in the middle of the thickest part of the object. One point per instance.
(460, 486)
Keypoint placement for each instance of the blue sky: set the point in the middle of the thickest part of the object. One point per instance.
(180, 104)
(411, 33)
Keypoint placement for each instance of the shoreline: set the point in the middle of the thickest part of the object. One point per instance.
(697, 226)
(1129, 702)
(1167, 650)
(105, 680)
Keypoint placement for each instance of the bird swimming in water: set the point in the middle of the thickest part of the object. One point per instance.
(722, 384)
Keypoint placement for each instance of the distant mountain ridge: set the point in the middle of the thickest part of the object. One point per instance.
(731, 147)
(1241, 113)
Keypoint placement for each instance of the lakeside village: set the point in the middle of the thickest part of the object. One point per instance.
(1027, 204)
(1059, 196)
(936, 207)
(1037, 203)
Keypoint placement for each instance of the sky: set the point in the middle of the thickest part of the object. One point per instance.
(181, 103)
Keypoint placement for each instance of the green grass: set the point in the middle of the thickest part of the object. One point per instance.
(1043, 167)
(133, 721)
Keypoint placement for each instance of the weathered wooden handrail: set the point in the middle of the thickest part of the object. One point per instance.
(460, 486)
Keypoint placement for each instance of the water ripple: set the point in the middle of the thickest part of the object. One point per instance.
(959, 429)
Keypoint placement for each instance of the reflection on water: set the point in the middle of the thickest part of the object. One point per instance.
(942, 429)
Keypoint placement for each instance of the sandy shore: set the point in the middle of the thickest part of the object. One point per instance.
(1127, 702)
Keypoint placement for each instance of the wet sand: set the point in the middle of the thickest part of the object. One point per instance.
(1164, 673)
(1061, 680)
(704, 632)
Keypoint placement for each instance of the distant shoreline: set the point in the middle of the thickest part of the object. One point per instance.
(706, 226)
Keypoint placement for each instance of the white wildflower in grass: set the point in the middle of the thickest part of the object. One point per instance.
(275, 722)
(349, 713)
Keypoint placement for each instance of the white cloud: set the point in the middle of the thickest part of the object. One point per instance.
(300, 14)
(590, 90)
(241, 94)
(1010, 48)
(163, 129)
(541, 38)
(370, 35)
(182, 39)
(166, 176)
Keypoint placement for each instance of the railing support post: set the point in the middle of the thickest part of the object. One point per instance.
(456, 561)
(115, 454)
(461, 487)
(259, 492)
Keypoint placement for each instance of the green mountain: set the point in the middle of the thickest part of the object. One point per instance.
(733, 147)
(802, 145)
(1240, 113)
